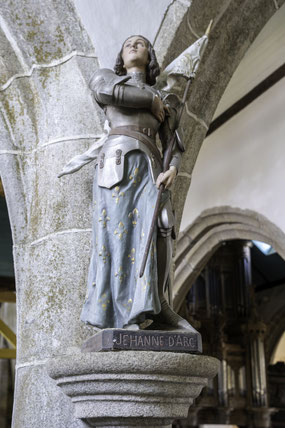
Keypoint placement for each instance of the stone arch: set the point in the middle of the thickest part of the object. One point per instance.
(41, 56)
(236, 24)
(203, 237)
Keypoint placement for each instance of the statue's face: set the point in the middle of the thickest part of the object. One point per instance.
(135, 53)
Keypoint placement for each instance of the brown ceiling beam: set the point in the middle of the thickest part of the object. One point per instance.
(247, 99)
(7, 297)
(6, 332)
(8, 354)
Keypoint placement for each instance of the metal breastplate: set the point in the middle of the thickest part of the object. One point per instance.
(112, 155)
(122, 116)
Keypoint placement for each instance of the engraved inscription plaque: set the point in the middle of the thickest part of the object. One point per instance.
(144, 340)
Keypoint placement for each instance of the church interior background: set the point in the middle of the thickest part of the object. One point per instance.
(233, 225)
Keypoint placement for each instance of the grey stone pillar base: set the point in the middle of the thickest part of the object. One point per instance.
(122, 423)
(261, 416)
(132, 388)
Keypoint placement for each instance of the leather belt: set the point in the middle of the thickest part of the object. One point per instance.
(147, 131)
(137, 133)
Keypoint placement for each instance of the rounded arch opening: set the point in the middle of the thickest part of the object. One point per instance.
(279, 350)
(206, 234)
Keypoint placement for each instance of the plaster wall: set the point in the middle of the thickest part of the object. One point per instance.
(242, 163)
(279, 353)
(263, 57)
(118, 20)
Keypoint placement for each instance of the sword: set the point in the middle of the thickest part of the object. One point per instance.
(166, 163)
(198, 49)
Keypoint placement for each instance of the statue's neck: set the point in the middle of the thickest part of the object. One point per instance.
(137, 77)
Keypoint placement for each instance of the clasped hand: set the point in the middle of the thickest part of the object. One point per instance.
(159, 109)
(167, 178)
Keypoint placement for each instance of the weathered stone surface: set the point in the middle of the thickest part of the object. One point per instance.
(38, 140)
(53, 204)
(208, 232)
(38, 33)
(127, 387)
(38, 110)
(49, 304)
(202, 12)
(40, 403)
(171, 30)
(236, 26)
(194, 131)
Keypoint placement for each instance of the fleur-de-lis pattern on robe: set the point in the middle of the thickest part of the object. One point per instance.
(122, 215)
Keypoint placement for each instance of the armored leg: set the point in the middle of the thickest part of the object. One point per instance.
(167, 318)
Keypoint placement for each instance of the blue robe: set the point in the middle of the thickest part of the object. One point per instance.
(122, 215)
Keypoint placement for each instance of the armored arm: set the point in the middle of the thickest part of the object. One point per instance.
(109, 89)
(176, 158)
(168, 128)
(165, 136)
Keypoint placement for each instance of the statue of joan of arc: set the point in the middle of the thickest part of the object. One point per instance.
(128, 173)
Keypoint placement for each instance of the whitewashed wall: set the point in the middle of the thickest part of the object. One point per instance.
(118, 20)
(242, 163)
(264, 56)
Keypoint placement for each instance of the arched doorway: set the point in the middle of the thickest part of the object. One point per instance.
(227, 293)
(205, 235)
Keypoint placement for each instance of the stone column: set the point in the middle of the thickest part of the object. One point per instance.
(260, 413)
(47, 117)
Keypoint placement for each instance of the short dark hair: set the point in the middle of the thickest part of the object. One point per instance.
(152, 69)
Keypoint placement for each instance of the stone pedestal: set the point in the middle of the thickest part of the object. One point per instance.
(131, 388)
(261, 416)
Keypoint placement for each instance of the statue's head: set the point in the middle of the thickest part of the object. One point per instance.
(145, 56)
